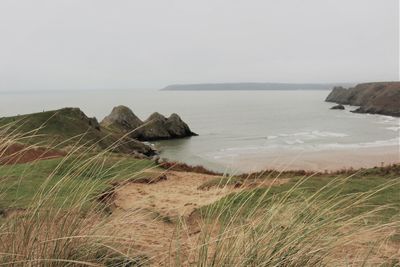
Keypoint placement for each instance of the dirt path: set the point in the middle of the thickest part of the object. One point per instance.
(148, 212)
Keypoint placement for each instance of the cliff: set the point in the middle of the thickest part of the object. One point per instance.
(375, 98)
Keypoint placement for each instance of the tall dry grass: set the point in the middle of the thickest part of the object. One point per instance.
(58, 231)
(293, 229)
(288, 229)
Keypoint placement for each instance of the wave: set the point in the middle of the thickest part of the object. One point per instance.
(378, 143)
(298, 145)
(293, 142)
(293, 137)
(313, 134)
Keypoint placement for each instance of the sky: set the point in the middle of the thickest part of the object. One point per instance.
(127, 44)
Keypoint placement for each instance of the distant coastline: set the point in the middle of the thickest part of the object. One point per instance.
(374, 98)
(252, 86)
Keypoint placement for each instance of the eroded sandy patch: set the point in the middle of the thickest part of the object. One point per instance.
(149, 214)
(178, 195)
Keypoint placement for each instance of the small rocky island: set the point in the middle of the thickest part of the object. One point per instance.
(375, 98)
(339, 107)
(156, 127)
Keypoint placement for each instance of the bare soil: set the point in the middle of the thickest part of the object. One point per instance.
(149, 212)
(19, 153)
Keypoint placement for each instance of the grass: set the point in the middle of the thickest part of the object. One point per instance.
(220, 182)
(23, 180)
(183, 167)
(310, 221)
(61, 125)
(68, 127)
(386, 185)
(53, 216)
(320, 220)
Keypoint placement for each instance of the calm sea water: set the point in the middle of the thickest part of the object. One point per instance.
(237, 129)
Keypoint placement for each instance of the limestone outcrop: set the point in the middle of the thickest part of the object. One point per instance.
(156, 127)
(375, 98)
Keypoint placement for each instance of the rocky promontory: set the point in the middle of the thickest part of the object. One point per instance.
(121, 131)
(156, 127)
(67, 128)
(375, 98)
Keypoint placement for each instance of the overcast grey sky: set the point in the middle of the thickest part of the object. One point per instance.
(99, 44)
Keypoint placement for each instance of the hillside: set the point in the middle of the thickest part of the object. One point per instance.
(251, 86)
(375, 98)
(162, 214)
(69, 127)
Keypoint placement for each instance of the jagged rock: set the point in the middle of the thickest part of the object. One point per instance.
(341, 107)
(177, 127)
(338, 95)
(94, 123)
(122, 119)
(376, 98)
(135, 148)
(156, 127)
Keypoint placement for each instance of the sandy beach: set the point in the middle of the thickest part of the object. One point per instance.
(327, 160)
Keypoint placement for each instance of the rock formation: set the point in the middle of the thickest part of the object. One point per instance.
(340, 107)
(70, 127)
(375, 98)
(156, 127)
(121, 118)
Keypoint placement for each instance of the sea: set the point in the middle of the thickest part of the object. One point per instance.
(242, 131)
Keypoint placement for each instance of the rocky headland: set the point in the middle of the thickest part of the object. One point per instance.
(69, 128)
(121, 131)
(375, 98)
(156, 127)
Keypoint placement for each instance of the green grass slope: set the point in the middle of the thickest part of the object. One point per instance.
(68, 127)
(70, 177)
(384, 182)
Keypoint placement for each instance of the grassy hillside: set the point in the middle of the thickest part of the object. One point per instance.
(384, 182)
(306, 221)
(68, 127)
(79, 173)
(20, 184)
(84, 209)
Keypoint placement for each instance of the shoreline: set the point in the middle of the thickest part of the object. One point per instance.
(308, 161)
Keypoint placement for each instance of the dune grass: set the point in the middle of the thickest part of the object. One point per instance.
(51, 209)
(387, 190)
(23, 180)
(310, 221)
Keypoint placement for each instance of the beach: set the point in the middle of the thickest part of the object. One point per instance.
(321, 161)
